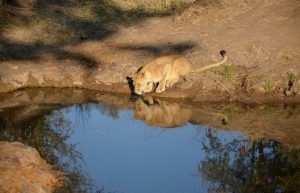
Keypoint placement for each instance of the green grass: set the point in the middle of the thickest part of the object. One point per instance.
(291, 77)
(229, 73)
(231, 113)
(268, 85)
(287, 57)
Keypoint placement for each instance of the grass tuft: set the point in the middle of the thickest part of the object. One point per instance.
(163, 6)
(287, 57)
(229, 73)
(291, 77)
(268, 85)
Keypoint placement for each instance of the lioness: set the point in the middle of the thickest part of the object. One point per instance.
(166, 71)
(155, 112)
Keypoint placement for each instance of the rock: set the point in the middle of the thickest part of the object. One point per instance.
(288, 92)
(259, 90)
(296, 87)
(23, 170)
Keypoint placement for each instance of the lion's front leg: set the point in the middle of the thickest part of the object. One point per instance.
(161, 86)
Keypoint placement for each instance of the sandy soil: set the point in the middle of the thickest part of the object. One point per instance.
(261, 38)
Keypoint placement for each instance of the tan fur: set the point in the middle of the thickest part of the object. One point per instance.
(166, 71)
(160, 113)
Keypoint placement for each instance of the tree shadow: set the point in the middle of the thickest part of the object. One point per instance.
(161, 49)
(16, 51)
(104, 19)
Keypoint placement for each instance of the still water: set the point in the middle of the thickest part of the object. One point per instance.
(155, 146)
(123, 155)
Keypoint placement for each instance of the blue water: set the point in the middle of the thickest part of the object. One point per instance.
(125, 155)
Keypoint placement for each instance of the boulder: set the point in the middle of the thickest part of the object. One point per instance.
(23, 170)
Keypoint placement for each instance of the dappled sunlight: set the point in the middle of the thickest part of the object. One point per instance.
(48, 26)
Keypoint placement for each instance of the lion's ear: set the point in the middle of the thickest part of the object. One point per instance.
(142, 74)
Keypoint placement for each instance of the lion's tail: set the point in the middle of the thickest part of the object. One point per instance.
(224, 59)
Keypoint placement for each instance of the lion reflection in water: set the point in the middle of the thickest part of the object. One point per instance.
(155, 112)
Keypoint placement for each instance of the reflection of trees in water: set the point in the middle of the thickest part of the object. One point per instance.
(244, 166)
(48, 133)
(83, 110)
(48, 130)
(110, 110)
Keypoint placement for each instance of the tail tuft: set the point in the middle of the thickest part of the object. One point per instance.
(222, 52)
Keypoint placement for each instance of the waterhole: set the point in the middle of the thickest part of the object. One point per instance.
(108, 143)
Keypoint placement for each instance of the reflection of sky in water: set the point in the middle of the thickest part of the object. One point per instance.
(128, 156)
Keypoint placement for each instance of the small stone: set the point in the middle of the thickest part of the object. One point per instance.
(259, 90)
(288, 92)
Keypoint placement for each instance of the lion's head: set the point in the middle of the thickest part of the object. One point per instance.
(141, 109)
(140, 82)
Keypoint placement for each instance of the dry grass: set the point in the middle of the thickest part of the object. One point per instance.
(57, 21)
(160, 6)
(154, 6)
(48, 26)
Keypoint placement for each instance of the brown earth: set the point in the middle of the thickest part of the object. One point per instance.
(23, 170)
(261, 37)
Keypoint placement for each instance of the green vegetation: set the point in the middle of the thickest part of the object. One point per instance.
(287, 57)
(291, 78)
(268, 85)
(229, 72)
(231, 113)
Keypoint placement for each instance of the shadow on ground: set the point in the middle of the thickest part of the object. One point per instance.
(161, 49)
(64, 23)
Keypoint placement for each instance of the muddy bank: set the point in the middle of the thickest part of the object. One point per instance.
(23, 170)
(113, 79)
(272, 121)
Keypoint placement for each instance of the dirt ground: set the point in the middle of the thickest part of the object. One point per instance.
(262, 39)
